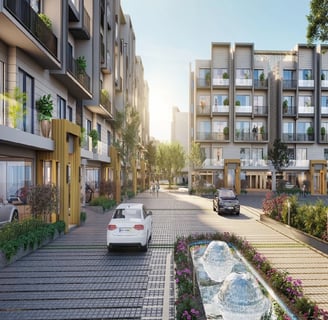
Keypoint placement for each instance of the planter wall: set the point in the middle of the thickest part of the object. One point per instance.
(297, 234)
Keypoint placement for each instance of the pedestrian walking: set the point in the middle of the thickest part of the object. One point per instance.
(304, 190)
(157, 188)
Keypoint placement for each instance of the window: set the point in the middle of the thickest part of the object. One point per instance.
(17, 175)
(69, 114)
(324, 74)
(258, 74)
(324, 101)
(99, 131)
(219, 125)
(291, 153)
(244, 100)
(61, 108)
(220, 100)
(289, 74)
(244, 153)
(2, 89)
(243, 73)
(204, 101)
(305, 74)
(88, 126)
(301, 154)
(93, 178)
(257, 153)
(217, 153)
(288, 127)
(325, 154)
(108, 138)
(26, 84)
(290, 100)
(203, 73)
(305, 101)
(303, 126)
(258, 101)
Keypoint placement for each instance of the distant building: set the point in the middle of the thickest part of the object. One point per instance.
(242, 99)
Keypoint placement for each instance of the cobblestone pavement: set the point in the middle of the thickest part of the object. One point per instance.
(74, 277)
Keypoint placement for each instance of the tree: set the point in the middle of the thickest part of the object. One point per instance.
(170, 159)
(318, 21)
(196, 157)
(150, 156)
(279, 157)
(127, 123)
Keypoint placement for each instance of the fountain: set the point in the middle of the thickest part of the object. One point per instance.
(228, 289)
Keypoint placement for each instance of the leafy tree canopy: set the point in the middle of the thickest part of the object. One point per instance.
(318, 21)
(170, 160)
(196, 156)
(279, 155)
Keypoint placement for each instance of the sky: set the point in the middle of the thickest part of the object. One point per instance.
(172, 34)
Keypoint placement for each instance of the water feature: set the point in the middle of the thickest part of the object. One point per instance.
(228, 286)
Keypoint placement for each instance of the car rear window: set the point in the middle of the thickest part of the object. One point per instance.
(227, 194)
(127, 214)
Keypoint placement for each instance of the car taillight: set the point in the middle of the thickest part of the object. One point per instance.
(139, 226)
(111, 227)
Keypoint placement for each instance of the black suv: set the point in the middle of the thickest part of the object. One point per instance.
(225, 201)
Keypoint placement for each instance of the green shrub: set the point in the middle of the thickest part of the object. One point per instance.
(26, 234)
(104, 202)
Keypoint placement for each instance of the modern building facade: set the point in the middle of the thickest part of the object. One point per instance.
(82, 53)
(243, 99)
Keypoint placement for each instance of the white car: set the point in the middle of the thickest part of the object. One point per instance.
(130, 226)
(8, 213)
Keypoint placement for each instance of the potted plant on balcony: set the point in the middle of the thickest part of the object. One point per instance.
(285, 106)
(310, 132)
(226, 132)
(262, 78)
(226, 102)
(45, 19)
(323, 133)
(208, 78)
(225, 75)
(237, 103)
(45, 107)
(93, 134)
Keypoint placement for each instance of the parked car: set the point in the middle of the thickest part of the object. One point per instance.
(226, 201)
(130, 226)
(8, 213)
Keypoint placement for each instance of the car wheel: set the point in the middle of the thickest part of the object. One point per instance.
(218, 211)
(214, 209)
(237, 213)
(109, 248)
(15, 216)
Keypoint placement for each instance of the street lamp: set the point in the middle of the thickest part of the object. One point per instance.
(288, 207)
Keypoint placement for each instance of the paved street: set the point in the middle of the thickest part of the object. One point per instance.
(75, 277)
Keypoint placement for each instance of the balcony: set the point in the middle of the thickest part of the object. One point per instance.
(260, 110)
(297, 137)
(39, 41)
(81, 29)
(324, 111)
(105, 101)
(203, 110)
(242, 136)
(306, 83)
(289, 111)
(324, 84)
(244, 82)
(211, 136)
(308, 110)
(260, 84)
(220, 82)
(220, 109)
(203, 83)
(289, 84)
(243, 109)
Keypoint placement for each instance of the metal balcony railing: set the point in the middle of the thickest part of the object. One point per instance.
(80, 75)
(24, 13)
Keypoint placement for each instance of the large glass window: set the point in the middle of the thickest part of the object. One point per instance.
(305, 101)
(301, 154)
(305, 74)
(26, 84)
(288, 74)
(16, 178)
(92, 178)
(2, 90)
(61, 107)
(243, 100)
(324, 101)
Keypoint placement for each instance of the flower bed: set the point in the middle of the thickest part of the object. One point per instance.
(188, 301)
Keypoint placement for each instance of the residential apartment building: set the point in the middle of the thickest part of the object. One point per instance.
(243, 99)
(85, 59)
